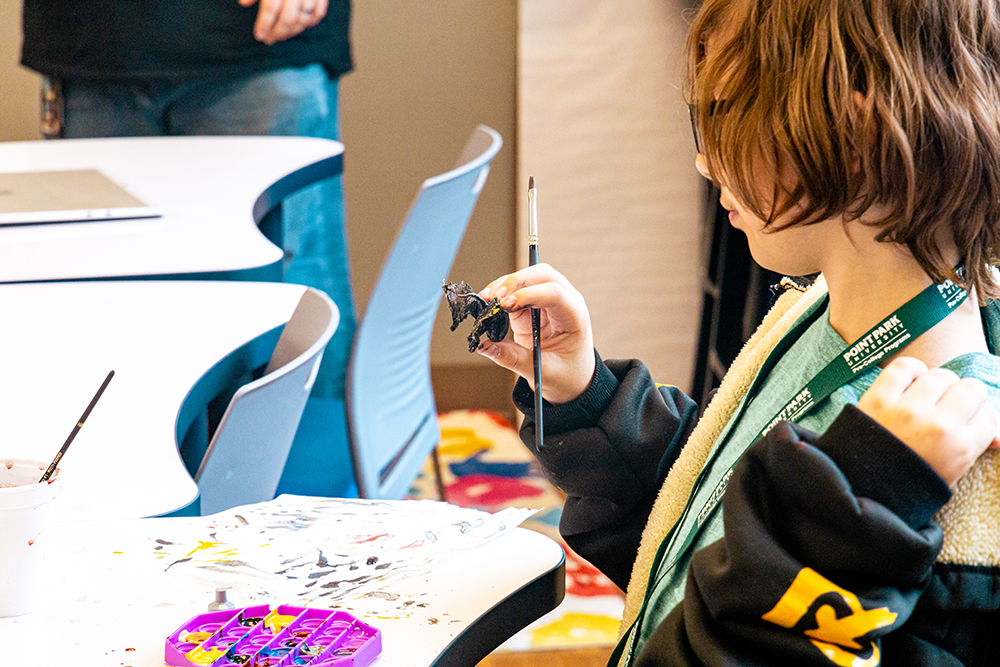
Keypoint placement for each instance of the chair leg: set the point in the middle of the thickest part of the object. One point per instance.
(438, 477)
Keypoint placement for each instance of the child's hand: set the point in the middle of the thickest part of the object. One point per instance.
(944, 419)
(566, 335)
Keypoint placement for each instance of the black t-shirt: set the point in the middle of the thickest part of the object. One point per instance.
(122, 40)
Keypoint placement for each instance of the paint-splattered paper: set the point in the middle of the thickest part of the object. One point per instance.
(310, 551)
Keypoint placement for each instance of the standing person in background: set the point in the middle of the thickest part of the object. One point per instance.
(130, 68)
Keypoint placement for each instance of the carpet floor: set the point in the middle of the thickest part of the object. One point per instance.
(485, 466)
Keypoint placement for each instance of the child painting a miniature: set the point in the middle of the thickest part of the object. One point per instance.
(838, 502)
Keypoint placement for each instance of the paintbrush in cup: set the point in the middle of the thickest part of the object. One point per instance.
(76, 429)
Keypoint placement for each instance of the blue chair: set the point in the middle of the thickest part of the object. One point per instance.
(389, 409)
(245, 458)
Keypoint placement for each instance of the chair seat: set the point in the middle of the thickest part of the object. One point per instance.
(319, 463)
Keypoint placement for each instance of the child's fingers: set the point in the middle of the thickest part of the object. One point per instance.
(520, 321)
(962, 400)
(518, 280)
(509, 355)
(566, 339)
(994, 416)
(563, 313)
(890, 384)
(943, 419)
(544, 295)
(900, 374)
(964, 407)
(490, 290)
(925, 393)
(984, 425)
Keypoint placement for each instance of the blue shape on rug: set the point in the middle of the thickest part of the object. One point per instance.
(549, 517)
(474, 465)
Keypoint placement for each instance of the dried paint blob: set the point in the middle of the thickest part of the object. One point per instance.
(193, 637)
(491, 320)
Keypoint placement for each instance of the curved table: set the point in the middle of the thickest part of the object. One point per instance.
(161, 338)
(216, 195)
(109, 602)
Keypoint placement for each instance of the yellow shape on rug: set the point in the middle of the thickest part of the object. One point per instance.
(576, 629)
(461, 443)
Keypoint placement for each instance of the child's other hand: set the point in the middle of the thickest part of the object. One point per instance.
(944, 419)
(566, 336)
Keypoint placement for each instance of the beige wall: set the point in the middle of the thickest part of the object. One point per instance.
(604, 129)
(18, 86)
(426, 74)
(601, 125)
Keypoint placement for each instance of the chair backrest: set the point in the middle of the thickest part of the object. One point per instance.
(391, 415)
(247, 453)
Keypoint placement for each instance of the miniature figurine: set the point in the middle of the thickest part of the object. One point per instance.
(490, 318)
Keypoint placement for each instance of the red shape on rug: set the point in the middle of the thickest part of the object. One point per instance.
(584, 579)
(497, 419)
(486, 490)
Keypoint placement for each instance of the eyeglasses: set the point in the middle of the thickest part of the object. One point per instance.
(714, 107)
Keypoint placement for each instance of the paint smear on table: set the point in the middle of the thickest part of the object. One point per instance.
(309, 551)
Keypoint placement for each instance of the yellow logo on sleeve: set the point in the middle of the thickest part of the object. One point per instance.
(835, 637)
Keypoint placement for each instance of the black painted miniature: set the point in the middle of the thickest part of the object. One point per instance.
(491, 319)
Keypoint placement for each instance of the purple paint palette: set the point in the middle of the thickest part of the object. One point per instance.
(264, 637)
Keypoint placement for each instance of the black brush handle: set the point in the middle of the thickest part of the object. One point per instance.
(76, 429)
(536, 345)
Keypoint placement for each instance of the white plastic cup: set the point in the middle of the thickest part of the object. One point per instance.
(25, 511)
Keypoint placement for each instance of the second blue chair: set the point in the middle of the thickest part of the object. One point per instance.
(389, 410)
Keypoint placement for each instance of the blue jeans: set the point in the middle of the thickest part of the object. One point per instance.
(301, 102)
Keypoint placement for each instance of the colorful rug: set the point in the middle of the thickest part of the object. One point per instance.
(485, 466)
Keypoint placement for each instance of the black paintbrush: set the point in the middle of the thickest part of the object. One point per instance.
(536, 325)
(86, 413)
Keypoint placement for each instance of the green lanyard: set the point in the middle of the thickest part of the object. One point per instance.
(912, 319)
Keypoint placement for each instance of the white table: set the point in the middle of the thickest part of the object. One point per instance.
(111, 603)
(160, 337)
(213, 192)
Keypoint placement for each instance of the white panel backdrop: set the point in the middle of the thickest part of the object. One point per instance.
(603, 128)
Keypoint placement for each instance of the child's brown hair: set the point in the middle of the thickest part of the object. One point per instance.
(890, 106)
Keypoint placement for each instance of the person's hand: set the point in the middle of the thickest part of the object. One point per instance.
(278, 20)
(566, 336)
(944, 419)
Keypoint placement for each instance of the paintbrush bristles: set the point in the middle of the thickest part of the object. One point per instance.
(532, 213)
